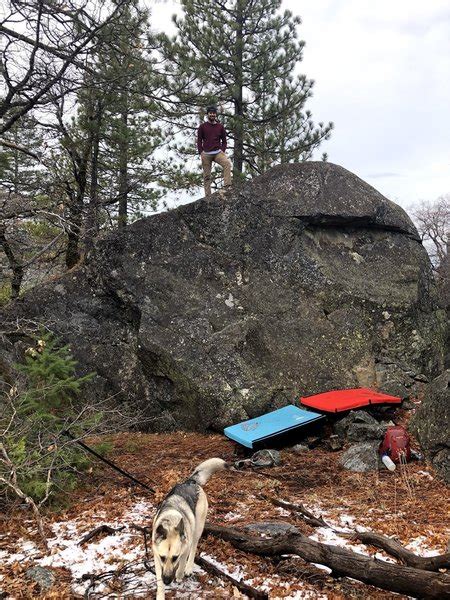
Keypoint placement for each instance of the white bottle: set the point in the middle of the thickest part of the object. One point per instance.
(387, 462)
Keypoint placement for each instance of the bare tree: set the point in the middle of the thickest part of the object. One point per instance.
(46, 42)
(45, 50)
(432, 220)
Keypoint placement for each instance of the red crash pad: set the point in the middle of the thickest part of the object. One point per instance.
(340, 400)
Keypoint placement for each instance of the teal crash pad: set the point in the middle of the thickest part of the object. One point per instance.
(271, 427)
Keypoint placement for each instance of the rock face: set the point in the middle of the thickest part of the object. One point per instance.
(303, 280)
(431, 424)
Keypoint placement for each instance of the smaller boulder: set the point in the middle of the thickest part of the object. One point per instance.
(42, 576)
(354, 416)
(363, 432)
(266, 458)
(361, 458)
(299, 448)
(335, 443)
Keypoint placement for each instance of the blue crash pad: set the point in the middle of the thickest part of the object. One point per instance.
(271, 425)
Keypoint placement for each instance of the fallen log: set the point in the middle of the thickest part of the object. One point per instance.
(387, 576)
(378, 540)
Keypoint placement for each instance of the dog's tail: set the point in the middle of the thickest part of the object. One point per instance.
(206, 469)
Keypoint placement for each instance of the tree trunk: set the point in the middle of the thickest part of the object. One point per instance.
(238, 160)
(16, 166)
(92, 218)
(123, 164)
(387, 576)
(15, 266)
(80, 167)
(73, 234)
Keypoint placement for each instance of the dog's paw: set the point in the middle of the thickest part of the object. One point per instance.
(179, 577)
(188, 571)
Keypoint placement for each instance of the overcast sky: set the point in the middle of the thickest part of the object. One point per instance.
(382, 73)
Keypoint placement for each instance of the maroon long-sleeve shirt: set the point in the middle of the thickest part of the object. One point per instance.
(211, 136)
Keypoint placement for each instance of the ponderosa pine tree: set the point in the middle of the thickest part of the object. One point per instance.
(243, 55)
(26, 204)
(131, 133)
(113, 135)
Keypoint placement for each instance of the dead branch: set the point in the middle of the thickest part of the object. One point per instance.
(44, 249)
(395, 549)
(242, 587)
(12, 484)
(394, 578)
(146, 529)
(95, 578)
(97, 531)
(309, 518)
(13, 146)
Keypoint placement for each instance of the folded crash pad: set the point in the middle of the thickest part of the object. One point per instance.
(272, 426)
(340, 400)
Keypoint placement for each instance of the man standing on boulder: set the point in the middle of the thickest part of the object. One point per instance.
(211, 145)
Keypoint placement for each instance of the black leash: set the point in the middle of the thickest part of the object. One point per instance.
(108, 462)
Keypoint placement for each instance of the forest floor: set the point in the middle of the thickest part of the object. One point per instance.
(409, 504)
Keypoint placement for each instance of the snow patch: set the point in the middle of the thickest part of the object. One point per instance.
(418, 546)
(98, 556)
(231, 516)
(426, 474)
(237, 573)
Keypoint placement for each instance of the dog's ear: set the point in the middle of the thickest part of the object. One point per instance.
(161, 533)
(180, 529)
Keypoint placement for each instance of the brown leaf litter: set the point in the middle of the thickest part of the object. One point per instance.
(409, 503)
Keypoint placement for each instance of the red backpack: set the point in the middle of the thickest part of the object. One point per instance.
(396, 444)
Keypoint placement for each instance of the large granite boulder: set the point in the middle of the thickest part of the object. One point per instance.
(302, 280)
(431, 424)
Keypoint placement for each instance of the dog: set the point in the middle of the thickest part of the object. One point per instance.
(178, 525)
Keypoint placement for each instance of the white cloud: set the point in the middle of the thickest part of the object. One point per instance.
(381, 71)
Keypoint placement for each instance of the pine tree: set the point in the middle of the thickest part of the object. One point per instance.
(52, 381)
(36, 461)
(110, 144)
(26, 227)
(21, 173)
(242, 54)
(131, 134)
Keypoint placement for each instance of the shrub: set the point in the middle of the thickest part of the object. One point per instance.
(35, 457)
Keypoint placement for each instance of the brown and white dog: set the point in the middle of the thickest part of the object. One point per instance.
(178, 525)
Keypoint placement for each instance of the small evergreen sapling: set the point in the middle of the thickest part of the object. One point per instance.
(34, 457)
